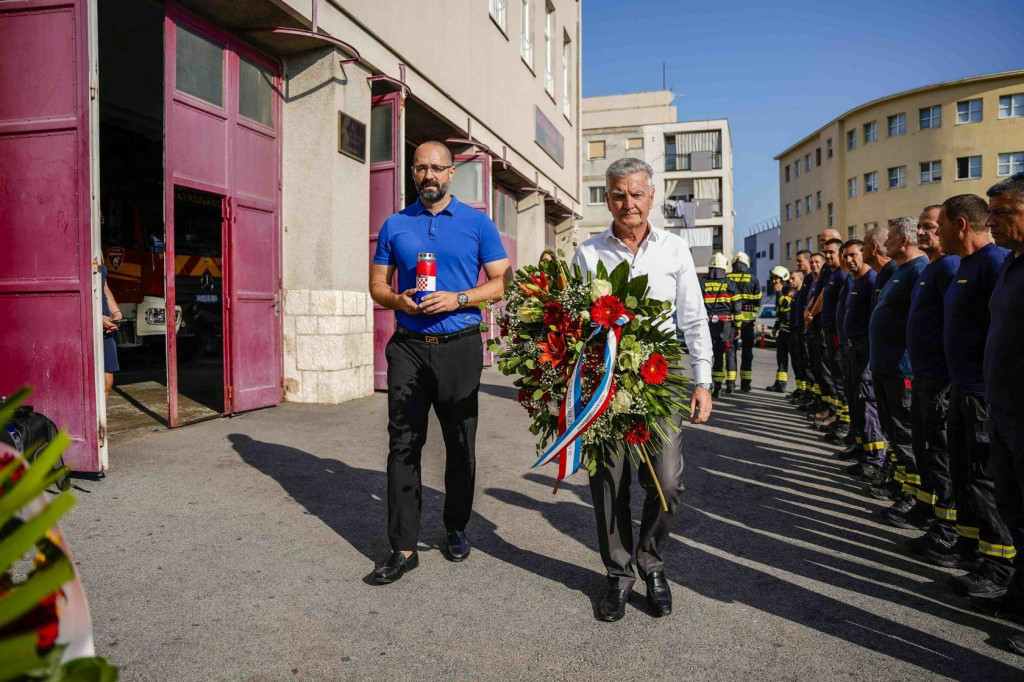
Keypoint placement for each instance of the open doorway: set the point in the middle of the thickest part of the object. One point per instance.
(133, 236)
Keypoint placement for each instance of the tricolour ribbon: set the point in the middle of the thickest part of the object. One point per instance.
(574, 420)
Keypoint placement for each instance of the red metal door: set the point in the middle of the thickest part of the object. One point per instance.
(385, 199)
(50, 329)
(223, 136)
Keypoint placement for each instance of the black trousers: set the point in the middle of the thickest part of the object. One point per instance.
(893, 395)
(609, 489)
(782, 345)
(834, 365)
(447, 377)
(746, 355)
(1006, 466)
(797, 355)
(929, 403)
(721, 339)
(864, 421)
(977, 515)
(818, 365)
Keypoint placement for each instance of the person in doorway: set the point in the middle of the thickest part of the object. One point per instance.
(666, 260)
(984, 545)
(750, 299)
(111, 318)
(435, 356)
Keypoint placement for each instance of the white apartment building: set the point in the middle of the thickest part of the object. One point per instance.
(692, 162)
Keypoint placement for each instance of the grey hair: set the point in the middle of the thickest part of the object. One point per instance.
(1012, 187)
(907, 227)
(627, 166)
(876, 237)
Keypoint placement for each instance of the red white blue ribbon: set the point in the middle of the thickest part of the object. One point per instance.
(574, 419)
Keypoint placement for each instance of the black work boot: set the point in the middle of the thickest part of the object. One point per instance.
(730, 386)
(976, 585)
(745, 385)
(718, 390)
(918, 517)
(922, 544)
(962, 555)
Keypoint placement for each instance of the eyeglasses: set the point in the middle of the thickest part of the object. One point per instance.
(436, 170)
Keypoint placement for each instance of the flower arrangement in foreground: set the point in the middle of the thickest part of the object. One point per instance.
(596, 371)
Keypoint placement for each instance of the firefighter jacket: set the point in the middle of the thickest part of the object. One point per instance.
(749, 293)
(783, 305)
(720, 298)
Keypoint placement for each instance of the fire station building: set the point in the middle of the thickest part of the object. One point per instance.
(224, 166)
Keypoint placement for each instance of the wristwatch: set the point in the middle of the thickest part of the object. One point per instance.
(463, 298)
(706, 387)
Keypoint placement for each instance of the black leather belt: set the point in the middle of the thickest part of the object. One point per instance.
(438, 339)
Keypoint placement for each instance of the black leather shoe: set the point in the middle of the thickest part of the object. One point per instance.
(396, 565)
(659, 596)
(458, 545)
(613, 605)
(852, 452)
(976, 585)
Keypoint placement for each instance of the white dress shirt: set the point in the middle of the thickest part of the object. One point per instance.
(665, 259)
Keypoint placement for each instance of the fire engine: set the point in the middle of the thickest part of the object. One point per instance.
(133, 251)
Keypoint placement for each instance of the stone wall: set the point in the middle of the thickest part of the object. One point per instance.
(328, 345)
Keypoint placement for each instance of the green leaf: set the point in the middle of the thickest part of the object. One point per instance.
(95, 669)
(618, 278)
(23, 539)
(530, 364)
(538, 394)
(666, 305)
(34, 480)
(24, 597)
(638, 287)
(19, 656)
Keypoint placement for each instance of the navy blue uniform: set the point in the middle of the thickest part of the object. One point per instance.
(832, 294)
(929, 399)
(816, 340)
(890, 366)
(1004, 377)
(966, 308)
(864, 422)
(797, 347)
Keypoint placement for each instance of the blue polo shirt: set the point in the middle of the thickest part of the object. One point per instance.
(967, 317)
(830, 301)
(461, 237)
(796, 313)
(882, 276)
(858, 305)
(812, 296)
(924, 325)
(1004, 361)
(887, 330)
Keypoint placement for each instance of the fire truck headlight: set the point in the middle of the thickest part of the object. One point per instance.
(156, 316)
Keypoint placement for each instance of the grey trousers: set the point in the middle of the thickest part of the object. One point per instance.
(609, 488)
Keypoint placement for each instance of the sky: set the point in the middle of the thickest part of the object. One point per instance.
(780, 70)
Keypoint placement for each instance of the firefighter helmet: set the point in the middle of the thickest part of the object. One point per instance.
(718, 261)
(780, 272)
(742, 258)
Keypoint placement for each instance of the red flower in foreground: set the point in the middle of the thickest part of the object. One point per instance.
(554, 314)
(541, 281)
(655, 369)
(636, 434)
(606, 310)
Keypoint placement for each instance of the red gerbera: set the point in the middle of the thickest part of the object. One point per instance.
(606, 310)
(636, 434)
(655, 369)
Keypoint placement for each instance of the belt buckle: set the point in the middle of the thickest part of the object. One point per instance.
(433, 340)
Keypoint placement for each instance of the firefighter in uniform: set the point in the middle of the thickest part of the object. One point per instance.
(784, 293)
(722, 304)
(749, 293)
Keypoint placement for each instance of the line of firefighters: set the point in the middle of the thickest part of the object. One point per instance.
(906, 347)
(732, 301)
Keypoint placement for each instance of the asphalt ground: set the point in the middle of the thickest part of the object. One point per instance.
(241, 548)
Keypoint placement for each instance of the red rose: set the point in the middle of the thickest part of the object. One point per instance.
(606, 310)
(655, 369)
(636, 434)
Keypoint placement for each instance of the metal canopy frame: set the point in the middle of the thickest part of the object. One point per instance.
(314, 32)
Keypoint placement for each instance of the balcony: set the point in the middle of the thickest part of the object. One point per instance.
(694, 161)
(704, 209)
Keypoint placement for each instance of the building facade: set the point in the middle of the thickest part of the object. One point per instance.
(762, 246)
(895, 155)
(230, 163)
(692, 162)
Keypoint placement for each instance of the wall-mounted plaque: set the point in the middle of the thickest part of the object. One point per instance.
(548, 137)
(351, 137)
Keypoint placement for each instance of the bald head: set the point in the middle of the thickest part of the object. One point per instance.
(827, 235)
(433, 150)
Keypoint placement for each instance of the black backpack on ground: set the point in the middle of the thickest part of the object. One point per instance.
(34, 431)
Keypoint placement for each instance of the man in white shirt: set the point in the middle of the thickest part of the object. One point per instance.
(665, 259)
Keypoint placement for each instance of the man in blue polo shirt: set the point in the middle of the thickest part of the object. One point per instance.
(928, 470)
(436, 353)
(1004, 377)
(831, 295)
(982, 532)
(890, 366)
